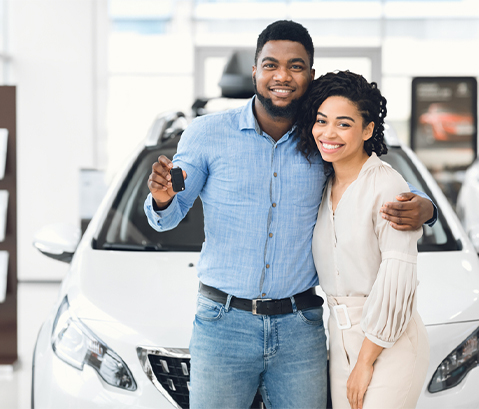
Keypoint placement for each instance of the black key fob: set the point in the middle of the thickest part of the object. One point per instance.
(177, 179)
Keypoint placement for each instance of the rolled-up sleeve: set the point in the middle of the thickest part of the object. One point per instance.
(392, 300)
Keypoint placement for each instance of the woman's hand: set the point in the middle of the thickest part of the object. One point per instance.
(358, 383)
(360, 377)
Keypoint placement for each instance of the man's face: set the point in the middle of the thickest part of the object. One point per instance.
(281, 77)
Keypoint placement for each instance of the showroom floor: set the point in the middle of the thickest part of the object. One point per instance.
(34, 303)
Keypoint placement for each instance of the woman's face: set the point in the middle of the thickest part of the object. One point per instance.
(339, 131)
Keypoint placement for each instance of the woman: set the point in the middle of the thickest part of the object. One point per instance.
(379, 351)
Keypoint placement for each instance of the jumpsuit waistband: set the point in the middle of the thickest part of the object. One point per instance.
(346, 311)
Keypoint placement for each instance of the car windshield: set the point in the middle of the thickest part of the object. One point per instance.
(126, 226)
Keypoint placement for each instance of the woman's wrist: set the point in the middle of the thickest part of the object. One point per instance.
(366, 361)
(369, 352)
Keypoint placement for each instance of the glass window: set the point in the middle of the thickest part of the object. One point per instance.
(126, 226)
(4, 58)
(359, 65)
(140, 26)
(144, 17)
(438, 237)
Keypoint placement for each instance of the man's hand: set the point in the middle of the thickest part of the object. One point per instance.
(159, 182)
(410, 213)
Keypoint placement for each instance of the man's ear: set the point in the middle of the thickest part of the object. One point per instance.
(254, 72)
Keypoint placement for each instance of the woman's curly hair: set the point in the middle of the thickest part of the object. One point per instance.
(366, 96)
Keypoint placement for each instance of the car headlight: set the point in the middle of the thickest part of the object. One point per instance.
(457, 364)
(74, 343)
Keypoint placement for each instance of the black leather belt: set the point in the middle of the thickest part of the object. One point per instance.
(261, 306)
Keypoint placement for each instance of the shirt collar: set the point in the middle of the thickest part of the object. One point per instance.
(247, 118)
(372, 161)
(249, 121)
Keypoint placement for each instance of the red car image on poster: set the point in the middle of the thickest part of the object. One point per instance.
(443, 123)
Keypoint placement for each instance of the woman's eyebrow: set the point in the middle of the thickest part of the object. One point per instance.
(338, 117)
(345, 117)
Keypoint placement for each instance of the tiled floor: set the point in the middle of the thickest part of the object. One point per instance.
(34, 303)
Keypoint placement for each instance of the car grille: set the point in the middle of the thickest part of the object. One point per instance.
(174, 376)
(169, 370)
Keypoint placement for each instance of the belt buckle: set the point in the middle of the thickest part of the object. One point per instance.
(255, 304)
(348, 321)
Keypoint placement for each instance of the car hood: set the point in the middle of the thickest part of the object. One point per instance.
(152, 294)
(448, 288)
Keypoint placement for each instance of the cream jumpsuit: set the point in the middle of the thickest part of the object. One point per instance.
(368, 271)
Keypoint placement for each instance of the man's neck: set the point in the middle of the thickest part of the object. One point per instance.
(275, 127)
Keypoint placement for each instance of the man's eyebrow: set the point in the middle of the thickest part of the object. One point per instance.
(292, 60)
(269, 59)
(297, 60)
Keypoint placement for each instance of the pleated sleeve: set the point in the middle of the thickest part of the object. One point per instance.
(392, 299)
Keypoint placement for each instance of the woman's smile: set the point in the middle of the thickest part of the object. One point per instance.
(330, 147)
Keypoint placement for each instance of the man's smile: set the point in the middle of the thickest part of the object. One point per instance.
(281, 91)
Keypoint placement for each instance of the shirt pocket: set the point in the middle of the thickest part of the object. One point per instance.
(306, 184)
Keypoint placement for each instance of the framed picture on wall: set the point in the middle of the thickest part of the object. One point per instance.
(444, 121)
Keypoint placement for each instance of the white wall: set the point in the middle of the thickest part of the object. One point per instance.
(54, 58)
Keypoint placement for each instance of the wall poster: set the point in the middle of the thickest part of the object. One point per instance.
(444, 121)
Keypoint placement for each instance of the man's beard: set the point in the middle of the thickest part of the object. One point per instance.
(288, 112)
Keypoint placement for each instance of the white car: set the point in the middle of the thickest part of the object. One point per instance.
(467, 205)
(118, 336)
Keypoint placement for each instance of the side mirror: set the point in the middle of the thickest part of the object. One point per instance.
(474, 236)
(58, 241)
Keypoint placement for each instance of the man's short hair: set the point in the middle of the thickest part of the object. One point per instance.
(286, 30)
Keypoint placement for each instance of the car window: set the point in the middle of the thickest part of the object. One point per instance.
(126, 226)
(438, 237)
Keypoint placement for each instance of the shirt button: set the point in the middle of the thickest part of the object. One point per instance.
(267, 265)
(275, 174)
(271, 235)
(263, 295)
(274, 204)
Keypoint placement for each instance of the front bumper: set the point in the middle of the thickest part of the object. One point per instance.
(58, 385)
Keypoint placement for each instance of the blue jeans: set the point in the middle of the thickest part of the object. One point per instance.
(233, 353)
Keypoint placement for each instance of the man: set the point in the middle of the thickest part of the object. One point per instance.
(260, 200)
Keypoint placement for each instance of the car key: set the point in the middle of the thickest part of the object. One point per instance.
(177, 179)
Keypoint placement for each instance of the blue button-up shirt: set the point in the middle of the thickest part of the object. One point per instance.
(260, 202)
